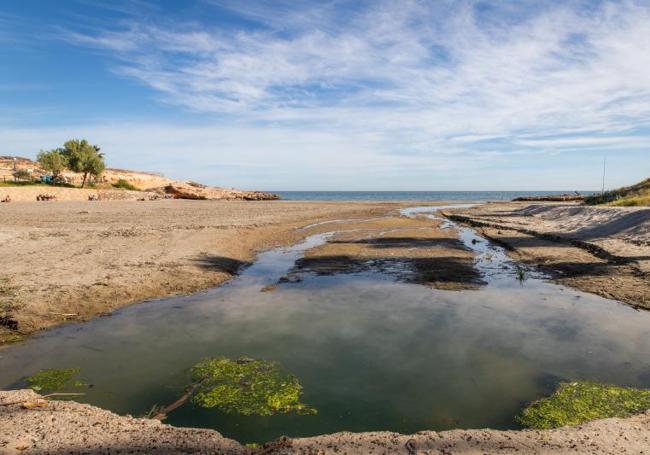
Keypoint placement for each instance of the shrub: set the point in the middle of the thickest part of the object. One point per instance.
(125, 185)
(22, 174)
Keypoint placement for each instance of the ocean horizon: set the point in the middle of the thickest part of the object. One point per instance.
(414, 195)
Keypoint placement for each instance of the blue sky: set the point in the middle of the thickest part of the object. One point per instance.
(336, 95)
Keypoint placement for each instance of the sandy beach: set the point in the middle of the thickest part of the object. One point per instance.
(71, 261)
(602, 250)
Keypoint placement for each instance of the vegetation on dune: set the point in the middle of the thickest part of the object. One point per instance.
(36, 183)
(244, 386)
(578, 402)
(76, 155)
(125, 185)
(635, 195)
(55, 379)
(22, 175)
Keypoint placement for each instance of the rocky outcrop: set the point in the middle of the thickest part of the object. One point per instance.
(154, 185)
(193, 190)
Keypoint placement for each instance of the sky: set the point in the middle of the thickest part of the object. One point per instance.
(336, 95)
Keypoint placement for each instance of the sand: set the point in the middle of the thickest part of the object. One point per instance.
(602, 250)
(66, 427)
(71, 261)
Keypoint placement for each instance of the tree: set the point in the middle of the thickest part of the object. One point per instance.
(53, 161)
(22, 174)
(84, 158)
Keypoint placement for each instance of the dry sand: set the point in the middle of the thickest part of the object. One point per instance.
(66, 427)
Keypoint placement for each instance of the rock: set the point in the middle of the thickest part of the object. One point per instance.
(193, 190)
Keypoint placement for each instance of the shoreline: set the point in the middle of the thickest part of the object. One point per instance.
(34, 425)
(73, 261)
(234, 232)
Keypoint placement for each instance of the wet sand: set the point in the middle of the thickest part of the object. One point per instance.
(72, 261)
(601, 250)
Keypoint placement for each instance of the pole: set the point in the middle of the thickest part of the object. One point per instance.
(604, 167)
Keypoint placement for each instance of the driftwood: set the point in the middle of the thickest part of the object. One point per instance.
(160, 413)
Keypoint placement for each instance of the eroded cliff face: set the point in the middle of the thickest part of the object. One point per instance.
(143, 181)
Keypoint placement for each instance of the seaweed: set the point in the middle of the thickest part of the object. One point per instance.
(243, 386)
(55, 379)
(574, 403)
(247, 386)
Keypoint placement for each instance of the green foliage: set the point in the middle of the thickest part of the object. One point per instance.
(54, 379)
(635, 195)
(520, 273)
(53, 161)
(633, 201)
(246, 386)
(125, 185)
(22, 174)
(84, 158)
(574, 403)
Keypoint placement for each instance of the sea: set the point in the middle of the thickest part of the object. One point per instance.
(414, 195)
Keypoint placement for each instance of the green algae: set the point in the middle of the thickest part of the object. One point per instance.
(574, 403)
(247, 387)
(55, 379)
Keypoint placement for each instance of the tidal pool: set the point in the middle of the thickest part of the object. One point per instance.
(372, 353)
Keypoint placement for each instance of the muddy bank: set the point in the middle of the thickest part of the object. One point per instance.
(602, 250)
(58, 427)
(414, 250)
(71, 261)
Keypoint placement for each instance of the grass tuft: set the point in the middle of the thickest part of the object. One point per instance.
(125, 185)
(635, 195)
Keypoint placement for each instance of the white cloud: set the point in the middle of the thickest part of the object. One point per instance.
(390, 87)
(399, 65)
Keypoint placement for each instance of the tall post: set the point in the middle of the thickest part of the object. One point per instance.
(604, 167)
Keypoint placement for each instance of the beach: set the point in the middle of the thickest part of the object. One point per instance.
(72, 261)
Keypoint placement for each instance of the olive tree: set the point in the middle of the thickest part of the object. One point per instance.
(53, 161)
(84, 158)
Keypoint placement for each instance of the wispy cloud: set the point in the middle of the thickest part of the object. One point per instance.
(434, 72)
(393, 87)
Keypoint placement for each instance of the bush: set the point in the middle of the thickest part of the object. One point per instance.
(53, 161)
(125, 185)
(22, 174)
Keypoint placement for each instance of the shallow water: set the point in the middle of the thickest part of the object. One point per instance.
(371, 353)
